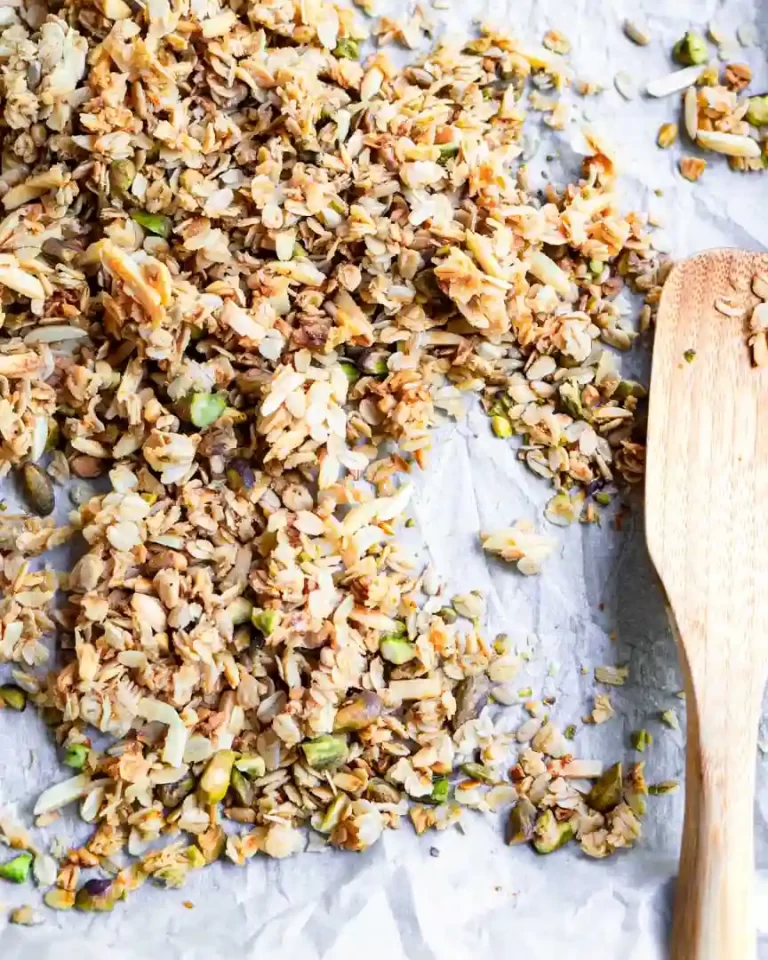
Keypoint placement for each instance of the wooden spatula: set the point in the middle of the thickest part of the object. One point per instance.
(707, 528)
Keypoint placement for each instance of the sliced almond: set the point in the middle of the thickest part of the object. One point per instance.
(673, 82)
(691, 112)
(637, 33)
(731, 144)
(21, 282)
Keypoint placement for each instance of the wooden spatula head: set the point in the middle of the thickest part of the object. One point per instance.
(707, 531)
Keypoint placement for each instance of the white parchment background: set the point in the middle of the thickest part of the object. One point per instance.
(479, 899)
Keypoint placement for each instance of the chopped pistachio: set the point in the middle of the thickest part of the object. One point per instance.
(641, 739)
(374, 362)
(265, 620)
(172, 795)
(478, 771)
(522, 820)
(757, 111)
(690, 50)
(350, 371)
(121, 175)
(670, 718)
(612, 676)
(448, 614)
(358, 713)
(525, 692)
(347, 48)
(570, 732)
(448, 151)
(214, 782)
(471, 696)
(501, 427)
(154, 222)
(195, 857)
(549, 833)
(251, 766)
(690, 356)
(397, 650)
(206, 408)
(75, 756)
(212, 843)
(606, 792)
(333, 814)
(603, 498)
(241, 787)
(440, 790)
(17, 870)
(13, 697)
(666, 786)
(329, 750)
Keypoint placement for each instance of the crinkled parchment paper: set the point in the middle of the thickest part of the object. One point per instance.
(463, 893)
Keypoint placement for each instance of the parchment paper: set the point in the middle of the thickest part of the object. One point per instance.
(463, 893)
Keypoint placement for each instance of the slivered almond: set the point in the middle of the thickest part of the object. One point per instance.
(731, 144)
(673, 82)
(21, 282)
(691, 112)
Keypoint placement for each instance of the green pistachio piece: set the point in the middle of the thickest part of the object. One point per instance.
(333, 813)
(396, 649)
(206, 408)
(690, 49)
(251, 766)
(606, 792)
(329, 750)
(641, 739)
(75, 756)
(214, 782)
(757, 111)
(16, 870)
(265, 620)
(121, 175)
(477, 771)
(195, 856)
(549, 833)
(241, 787)
(13, 697)
(347, 48)
(441, 788)
(172, 795)
(350, 371)
(448, 151)
(154, 222)
(522, 820)
(358, 713)
(501, 427)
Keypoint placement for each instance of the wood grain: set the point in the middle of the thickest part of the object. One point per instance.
(707, 530)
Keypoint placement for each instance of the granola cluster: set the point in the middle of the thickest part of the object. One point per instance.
(243, 274)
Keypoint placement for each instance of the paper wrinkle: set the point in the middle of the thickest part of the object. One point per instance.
(479, 899)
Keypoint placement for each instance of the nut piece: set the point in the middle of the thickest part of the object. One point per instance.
(641, 739)
(522, 820)
(38, 489)
(501, 427)
(95, 896)
(667, 135)
(17, 870)
(690, 49)
(606, 793)
(441, 790)
(75, 756)
(13, 697)
(396, 649)
(692, 168)
(757, 111)
(206, 408)
(471, 696)
(637, 33)
(251, 766)
(731, 144)
(330, 750)
(214, 782)
(359, 712)
(153, 222)
(549, 834)
(737, 76)
(171, 795)
(691, 112)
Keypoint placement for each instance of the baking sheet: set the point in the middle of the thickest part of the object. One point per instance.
(463, 893)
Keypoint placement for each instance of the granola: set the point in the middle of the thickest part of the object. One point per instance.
(243, 276)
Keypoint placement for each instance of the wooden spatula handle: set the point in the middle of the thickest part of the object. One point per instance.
(714, 908)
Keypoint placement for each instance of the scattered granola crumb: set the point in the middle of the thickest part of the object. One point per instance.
(602, 710)
(692, 168)
(689, 356)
